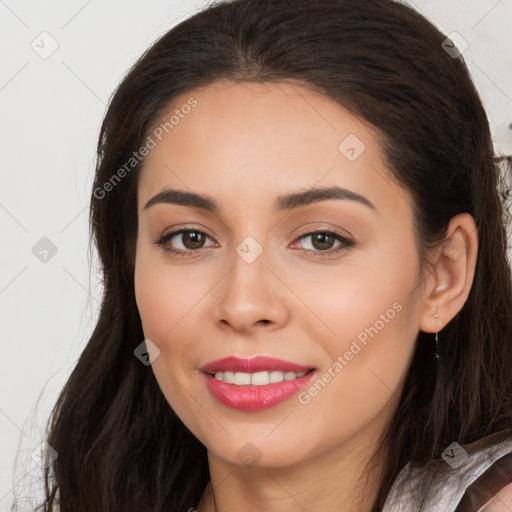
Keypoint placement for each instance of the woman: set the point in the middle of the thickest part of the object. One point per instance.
(306, 294)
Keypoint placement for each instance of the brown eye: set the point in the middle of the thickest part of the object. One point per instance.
(193, 239)
(183, 241)
(322, 241)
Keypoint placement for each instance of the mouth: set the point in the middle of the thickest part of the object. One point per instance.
(256, 383)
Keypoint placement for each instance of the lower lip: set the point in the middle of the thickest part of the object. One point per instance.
(252, 398)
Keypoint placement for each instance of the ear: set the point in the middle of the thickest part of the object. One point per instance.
(448, 284)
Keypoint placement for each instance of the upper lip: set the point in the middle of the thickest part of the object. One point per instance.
(254, 364)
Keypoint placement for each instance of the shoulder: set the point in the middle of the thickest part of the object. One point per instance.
(465, 477)
(501, 502)
(492, 489)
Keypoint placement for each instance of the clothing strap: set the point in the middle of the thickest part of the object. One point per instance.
(487, 485)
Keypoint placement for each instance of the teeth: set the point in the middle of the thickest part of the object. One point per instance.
(257, 378)
(276, 377)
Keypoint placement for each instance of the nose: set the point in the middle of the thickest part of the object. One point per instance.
(250, 297)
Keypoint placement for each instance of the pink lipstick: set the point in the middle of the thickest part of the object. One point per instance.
(257, 383)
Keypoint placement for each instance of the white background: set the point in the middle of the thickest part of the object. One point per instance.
(50, 114)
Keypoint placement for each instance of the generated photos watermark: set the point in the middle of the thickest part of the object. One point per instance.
(150, 143)
(343, 360)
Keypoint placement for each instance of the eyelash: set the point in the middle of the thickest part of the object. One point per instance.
(345, 242)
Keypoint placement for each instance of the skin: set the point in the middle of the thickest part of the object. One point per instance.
(502, 502)
(245, 144)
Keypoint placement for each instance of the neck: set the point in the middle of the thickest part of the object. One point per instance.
(334, 480)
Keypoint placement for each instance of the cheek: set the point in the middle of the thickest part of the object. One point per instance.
(154, 301)
(366, 312)
(163, 313)
(161, 295)
(169, 299)
(369, 330)
(363, 372)
(371, 339)
(160, 300)
(369, 296)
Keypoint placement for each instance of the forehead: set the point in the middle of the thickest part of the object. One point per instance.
(244, 137)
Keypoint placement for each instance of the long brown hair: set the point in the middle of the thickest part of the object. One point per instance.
(120, 445)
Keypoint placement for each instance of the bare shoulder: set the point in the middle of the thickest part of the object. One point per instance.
(502, 502)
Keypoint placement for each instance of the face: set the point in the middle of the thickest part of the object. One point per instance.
(327, 282)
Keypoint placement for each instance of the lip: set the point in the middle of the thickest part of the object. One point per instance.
(252, 365)
(252, 398)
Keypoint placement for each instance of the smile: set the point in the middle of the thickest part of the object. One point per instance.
(256, 379)
(248, 396)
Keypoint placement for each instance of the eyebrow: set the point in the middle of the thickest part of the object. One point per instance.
(286, 202)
